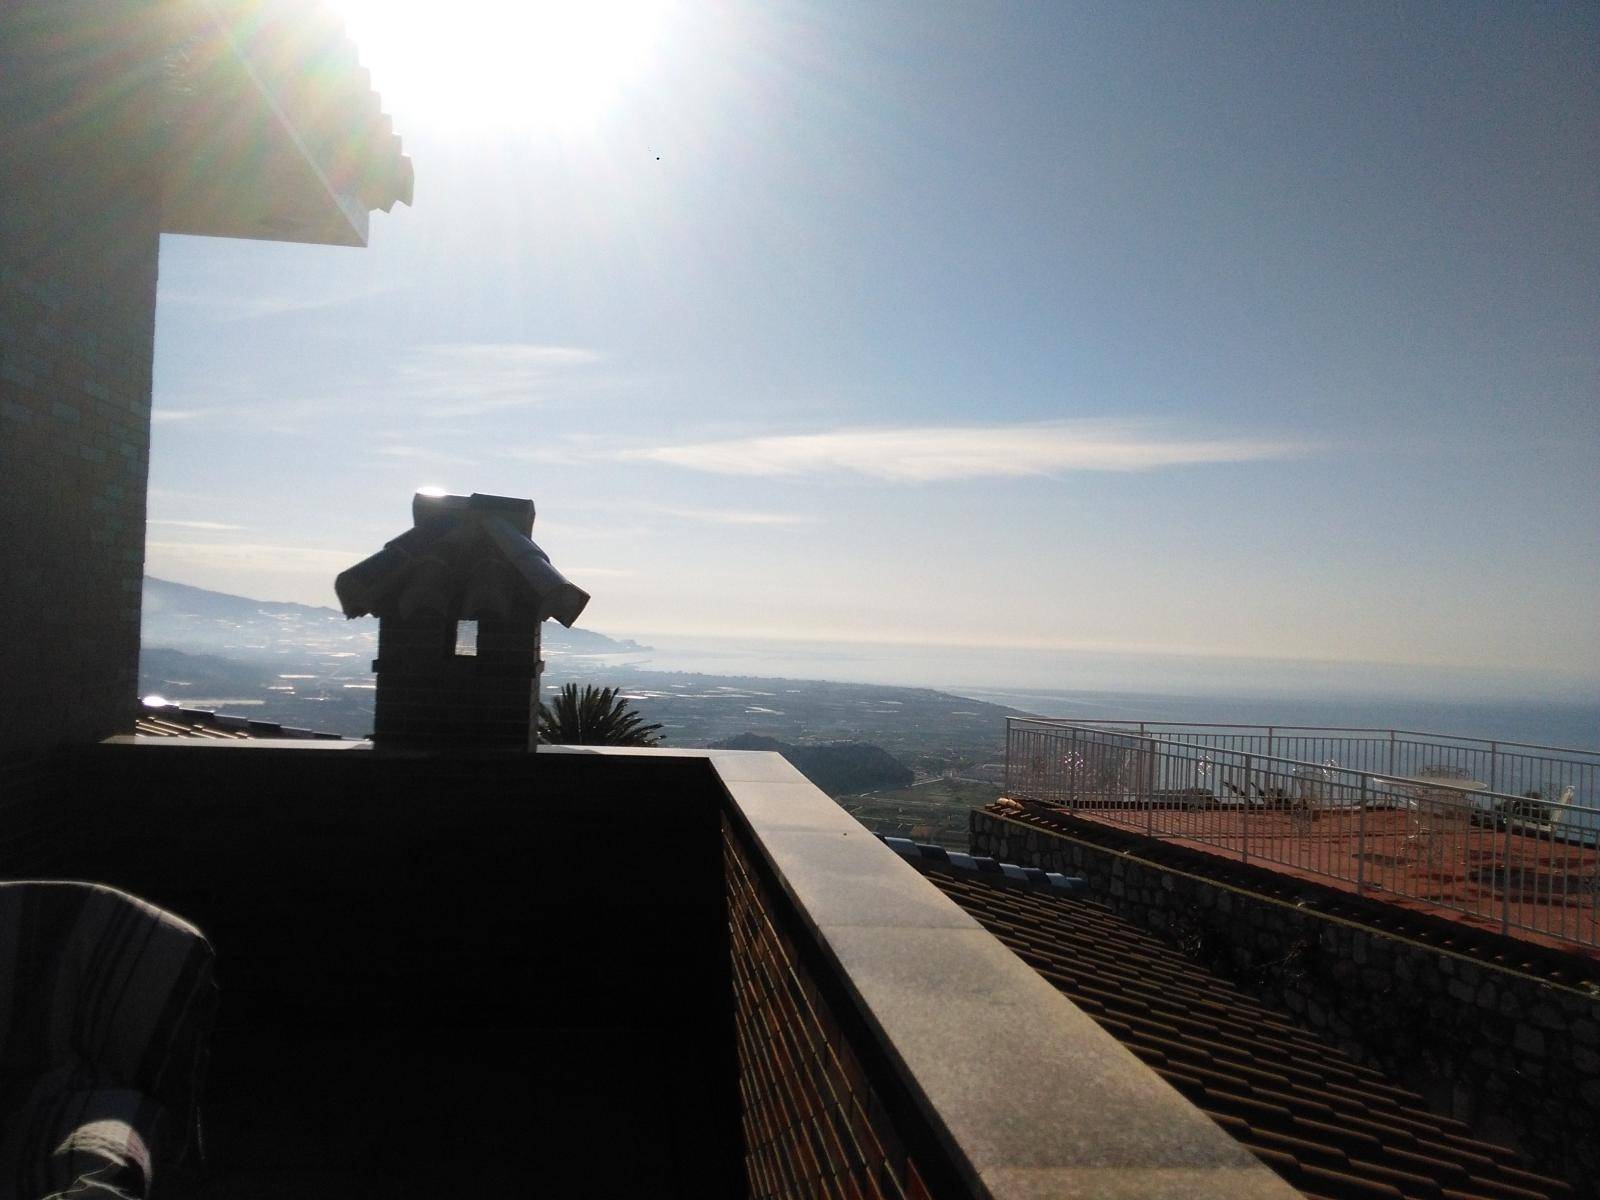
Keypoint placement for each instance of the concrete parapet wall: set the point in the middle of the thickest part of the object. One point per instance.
(1517, 1058)
(801, 1080)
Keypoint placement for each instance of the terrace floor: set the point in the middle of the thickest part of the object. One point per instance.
(1472, 873)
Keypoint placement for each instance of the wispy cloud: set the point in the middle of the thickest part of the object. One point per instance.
(214, 526)
(161, 556)
(228, 307)
(734, 516)
(523, 353)
(467, 379)
(564, 449)
(403, 453)
(441, 382)
(930, 453)
(556, 454)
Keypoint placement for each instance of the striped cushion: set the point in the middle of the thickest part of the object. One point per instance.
(106, 1003)
(81, 1144)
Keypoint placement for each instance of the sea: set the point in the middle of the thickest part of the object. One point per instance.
(1545, 709)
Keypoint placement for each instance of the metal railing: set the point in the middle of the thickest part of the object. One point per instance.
(1514, 768)
(1389, 811)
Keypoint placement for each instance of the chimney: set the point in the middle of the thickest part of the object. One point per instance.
(459, 598)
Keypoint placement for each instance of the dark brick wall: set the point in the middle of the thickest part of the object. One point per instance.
(80, 108)
(562, 889)
(1515, 1057)
(430, 696)
(813, 1124)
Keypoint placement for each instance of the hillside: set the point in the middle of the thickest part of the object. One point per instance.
(838, 768)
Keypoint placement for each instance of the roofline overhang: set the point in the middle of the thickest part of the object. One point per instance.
(246, 170)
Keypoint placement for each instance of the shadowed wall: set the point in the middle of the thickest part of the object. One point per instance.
(81, 95)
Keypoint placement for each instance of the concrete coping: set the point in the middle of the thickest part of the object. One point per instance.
(1030, 1098)
(254, 743)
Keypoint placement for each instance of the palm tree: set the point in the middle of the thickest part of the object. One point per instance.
(596, 718)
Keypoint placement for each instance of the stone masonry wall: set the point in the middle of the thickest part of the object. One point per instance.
(80, 107)
(1515, 1057)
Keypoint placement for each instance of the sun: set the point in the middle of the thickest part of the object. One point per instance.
(505, 64)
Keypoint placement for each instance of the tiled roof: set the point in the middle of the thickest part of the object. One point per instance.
(981, 864)
(1328, 1125)
(169, 720)
(299, 50)
(273, 129)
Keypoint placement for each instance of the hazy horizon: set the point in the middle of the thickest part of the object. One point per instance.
(1179, 334)
(330, 656)
(971, 668)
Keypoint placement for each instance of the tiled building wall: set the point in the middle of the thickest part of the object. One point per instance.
(80, 105)
(1516, 1058)
(813, 1125)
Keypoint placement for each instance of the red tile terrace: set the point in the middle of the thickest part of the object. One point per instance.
(1495, 835)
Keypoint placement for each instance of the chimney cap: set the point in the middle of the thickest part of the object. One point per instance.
(450, 540)
(434, 504)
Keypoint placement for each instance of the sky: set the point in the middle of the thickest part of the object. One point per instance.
(1235, 331)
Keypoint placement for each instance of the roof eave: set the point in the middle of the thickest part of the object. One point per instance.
(238, 167)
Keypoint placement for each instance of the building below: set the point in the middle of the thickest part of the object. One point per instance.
(1499, 1034)
(158, 719)
(1329, 1125)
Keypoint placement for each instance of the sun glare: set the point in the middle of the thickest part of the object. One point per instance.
(505, 64)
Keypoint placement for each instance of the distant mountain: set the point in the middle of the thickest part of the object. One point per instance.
(586, 641)
(194, 619)
(164, 596)
(838, 768)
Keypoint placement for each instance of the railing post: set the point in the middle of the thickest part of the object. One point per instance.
(1505, 875)
(1074, 760)
(1244, 821)
(1361, 838)
(1494, 767)
(1391, 752)
(1150, 790)
(1011, 752)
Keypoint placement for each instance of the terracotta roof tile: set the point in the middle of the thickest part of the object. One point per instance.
(1330, 1126)
(169, 720)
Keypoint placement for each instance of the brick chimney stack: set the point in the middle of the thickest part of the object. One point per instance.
(460, 598)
